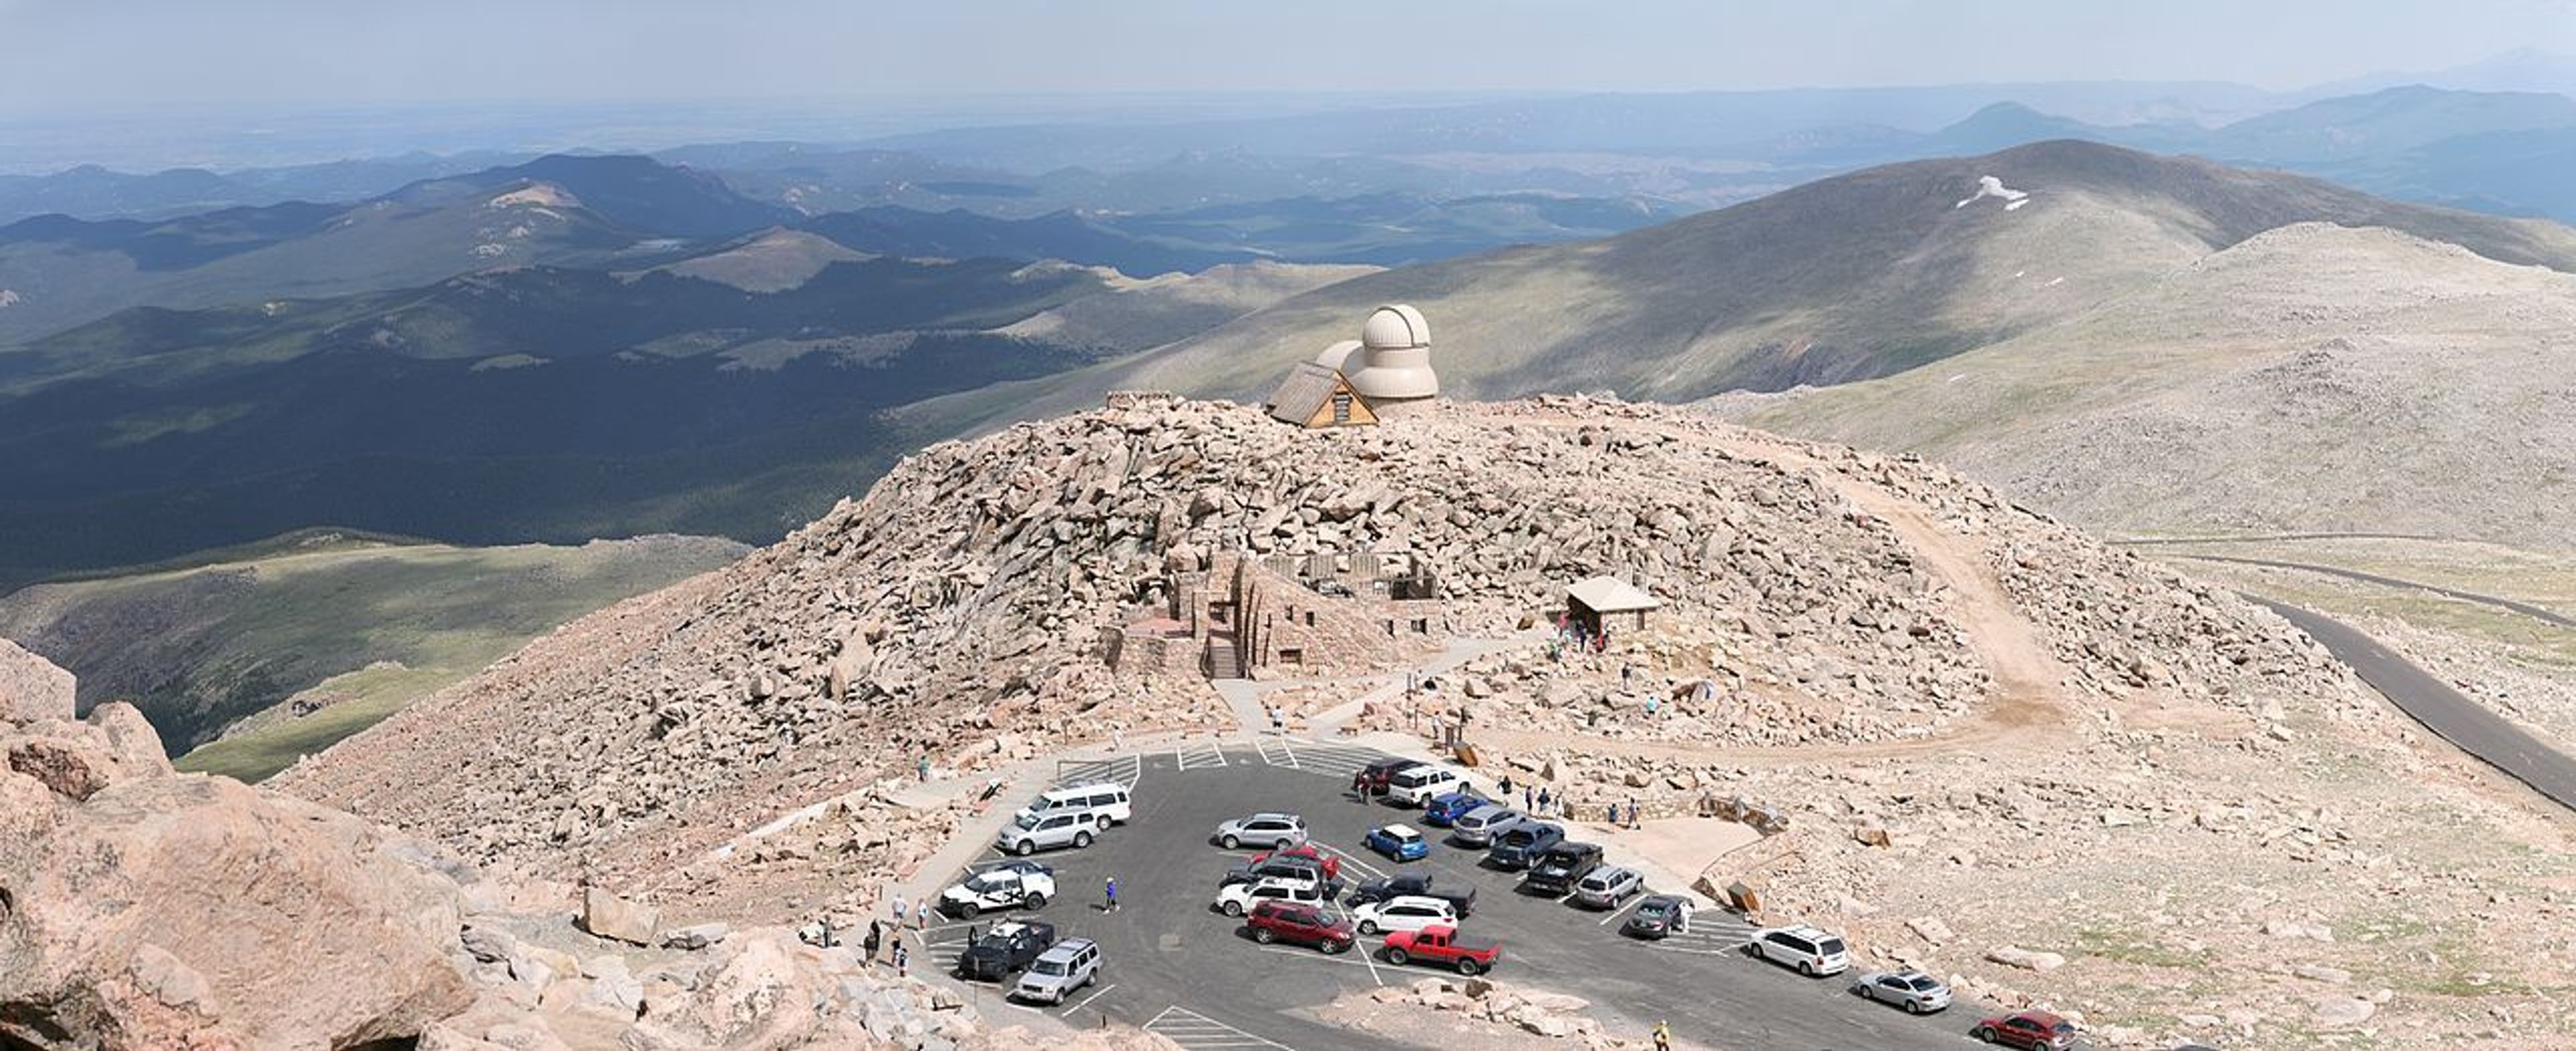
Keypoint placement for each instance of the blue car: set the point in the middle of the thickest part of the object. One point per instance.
(1400, 842)
(1444, 809)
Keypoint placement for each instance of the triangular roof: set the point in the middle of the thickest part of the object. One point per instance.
(1303, 392)
(1611, 595)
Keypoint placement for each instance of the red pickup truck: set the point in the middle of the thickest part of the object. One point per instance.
(1440, 943)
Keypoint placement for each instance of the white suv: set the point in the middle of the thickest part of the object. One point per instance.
(1403, 913)
(1057, 972)
(1421, 784)
(998, 888)
(1813, 952)
(1031, 832)
(1239, 898)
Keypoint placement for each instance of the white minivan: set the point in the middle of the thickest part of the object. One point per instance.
(1421, 784)
(1106, 800)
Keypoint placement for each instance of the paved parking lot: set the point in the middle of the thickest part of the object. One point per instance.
(1179, 968)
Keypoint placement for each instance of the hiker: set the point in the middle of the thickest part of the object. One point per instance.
(1109, 895)
(902, 958)
(1526, 806)
(875, 940)
(1542, 803)
(921, 916)
(1278, 723)
(1632, 811)
(1663, 1036)
(899, 910)
(1507, 785)
(922, 767)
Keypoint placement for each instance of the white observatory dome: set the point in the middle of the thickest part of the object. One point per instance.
(1340, 356)
(1395, 356)
(1395, 327)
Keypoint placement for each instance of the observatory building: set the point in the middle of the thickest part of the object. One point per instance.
(1388, 366)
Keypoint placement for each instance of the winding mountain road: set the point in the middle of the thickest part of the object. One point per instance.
(2447, 712)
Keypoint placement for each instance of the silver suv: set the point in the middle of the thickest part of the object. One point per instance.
(1478, 827)
(1031, 832)
(1606, 887)
(1056, 973)
(1276, 831)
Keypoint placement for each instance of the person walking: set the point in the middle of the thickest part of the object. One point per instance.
(1527, 807)
(1663, 1036)
(1109, 894)
(902, 957)
(899, 910)
(1542, 803)
(921, 916)
(875, 941)
(1632, 811)
(921, 766)
(1507, 786)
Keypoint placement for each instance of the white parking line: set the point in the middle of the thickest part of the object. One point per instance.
(1198, 756)
(1350, 860)
(1620, 911)
(1193, 1030)
(1086, 1001)
(1365, 958)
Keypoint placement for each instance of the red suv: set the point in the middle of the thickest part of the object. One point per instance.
(2029, 1030)
(1331, 864)
(1273, 921)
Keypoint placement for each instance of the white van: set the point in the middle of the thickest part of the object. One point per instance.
(1421, 784)
(1107, 800)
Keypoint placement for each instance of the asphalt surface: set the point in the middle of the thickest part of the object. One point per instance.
(2447, 712)
(1177, 967)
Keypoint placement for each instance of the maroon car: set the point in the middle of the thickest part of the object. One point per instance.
(2029, 1031)
(1273, 921)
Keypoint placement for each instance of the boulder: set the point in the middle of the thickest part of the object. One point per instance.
(605, 914)
(696, 937)
(2026, 959)
(147, 909)
(32, 688)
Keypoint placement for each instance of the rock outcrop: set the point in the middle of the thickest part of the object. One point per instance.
(141, 908)
(32, 687)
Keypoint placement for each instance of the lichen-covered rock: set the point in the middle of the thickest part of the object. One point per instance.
(32, 687)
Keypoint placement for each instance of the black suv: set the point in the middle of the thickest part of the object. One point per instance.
(1561, 867)
(1415, 884)
(1372, 779)
(1517, 847)
(1005, 949)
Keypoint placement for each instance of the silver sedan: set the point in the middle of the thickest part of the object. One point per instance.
(1915, 991)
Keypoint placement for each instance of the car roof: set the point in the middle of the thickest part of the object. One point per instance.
(1273, 815)
(1401, 829)
(1804, 931)
(1414, 899)
(2044, 1018)
(1066, 949)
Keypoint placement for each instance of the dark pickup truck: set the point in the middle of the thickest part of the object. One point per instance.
(1441, 944)
(1462, 900)
(1006, 948)
(1522, 844)
(1556, 871)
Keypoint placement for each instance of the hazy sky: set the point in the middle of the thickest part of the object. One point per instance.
(66, 56)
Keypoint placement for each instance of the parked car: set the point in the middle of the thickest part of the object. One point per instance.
(1417, 884)
(1108, 800)
(1478, 827)
(1004, 949)
(1372, 779)
(1442, 944)
(1279, 831)
(1029, 833)
(1241, 898)
(1560, 867)
(1324, 859)
(1915, 991)
(1420, 784)
(1402, 914)
(1287, 866)
(1813, 952)
(1523, 843)
(1277, 921)
(1449, 807)
(1001, 887)
(1607, 886)
(2029, 1030)
(1399, 842)
(1659, 916)
(1057, 972)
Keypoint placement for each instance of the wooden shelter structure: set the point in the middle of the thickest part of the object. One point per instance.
(1313, 396)
(1590, 603)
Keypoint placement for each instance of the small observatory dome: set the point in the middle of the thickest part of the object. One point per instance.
(1340, 357)
(1395, 356)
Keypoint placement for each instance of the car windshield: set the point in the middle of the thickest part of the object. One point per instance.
(1025, 822)
(1830, 946)
(981, 883)
(1923, 983)
(1046, 966)
(2062, 1026)
(1651, 909)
